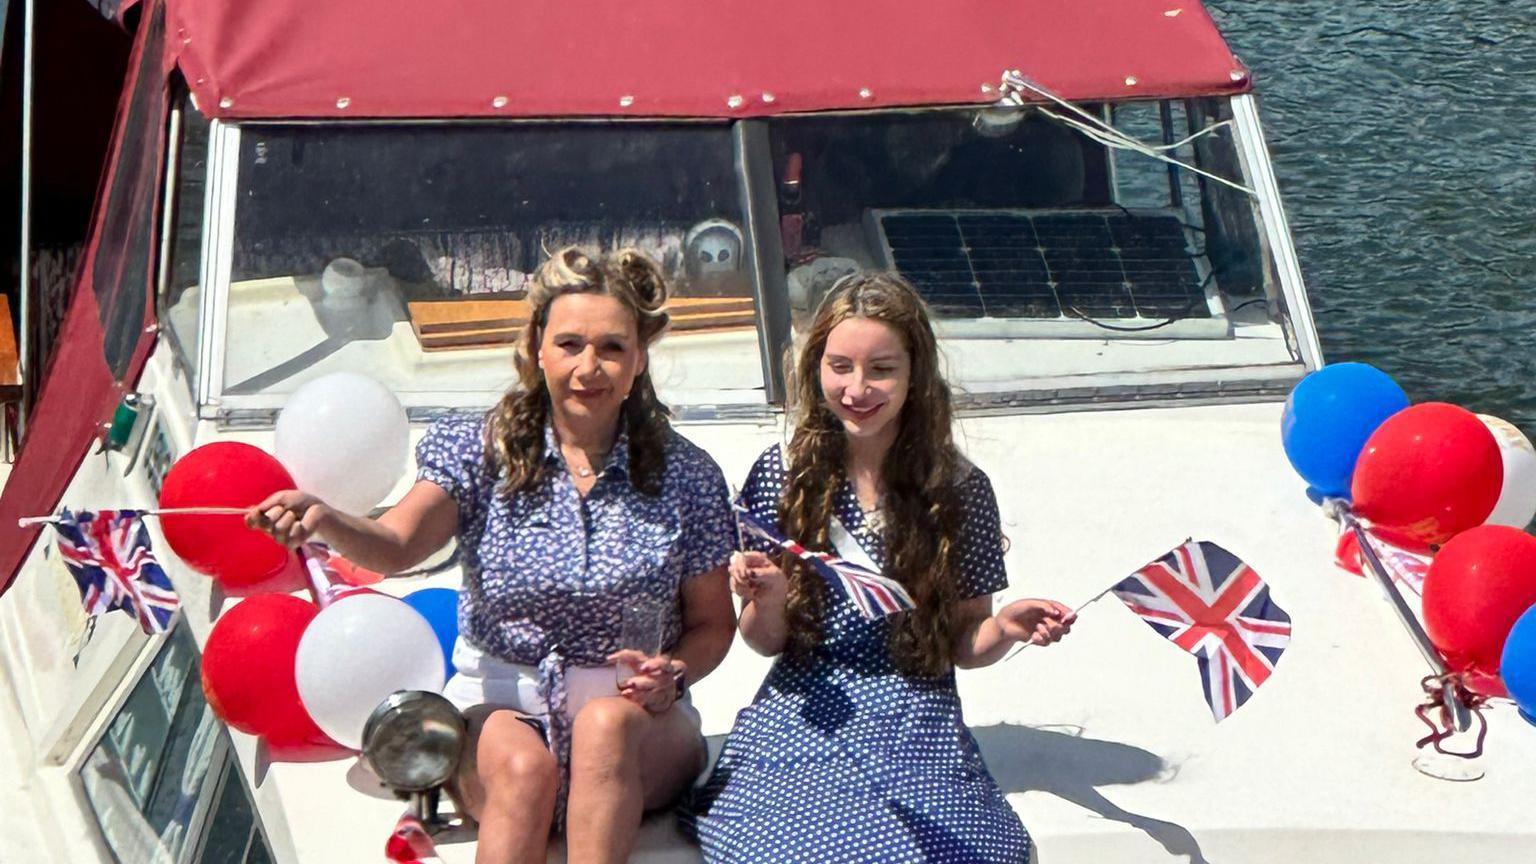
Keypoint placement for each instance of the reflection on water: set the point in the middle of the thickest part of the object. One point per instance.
(1402, 133)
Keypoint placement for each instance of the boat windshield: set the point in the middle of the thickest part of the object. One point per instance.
(1060, 265)
(1050, 259)
(403, 251)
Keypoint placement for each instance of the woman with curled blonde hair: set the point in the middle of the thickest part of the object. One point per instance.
(582, 520)
(855, 749)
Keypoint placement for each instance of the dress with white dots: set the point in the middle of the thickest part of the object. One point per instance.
(841, 758)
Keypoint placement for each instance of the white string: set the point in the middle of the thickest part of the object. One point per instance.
(1126, 143)
(1123, 141)
(1109, 136)
(1201, 134)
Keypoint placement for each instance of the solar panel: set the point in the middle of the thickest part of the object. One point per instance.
(1046, 264)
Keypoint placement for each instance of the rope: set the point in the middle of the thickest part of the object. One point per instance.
(1435, 689)
(1096, 129)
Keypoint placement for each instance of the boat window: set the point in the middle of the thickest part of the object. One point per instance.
(121, 262)
(180, 303)
(1048, 254)
(402, 251)
(155, 774)
(234, 834)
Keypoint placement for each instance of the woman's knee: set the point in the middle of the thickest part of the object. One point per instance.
(607, 731)
(510, 756)
(610, 718)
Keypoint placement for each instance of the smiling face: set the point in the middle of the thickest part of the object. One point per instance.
(590, 355)
(866, 372)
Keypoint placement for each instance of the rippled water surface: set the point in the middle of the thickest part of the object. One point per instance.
(1404, 139)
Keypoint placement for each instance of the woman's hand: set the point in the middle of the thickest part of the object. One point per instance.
(654, 686)
(765, 592)
(291, 518)
(754, 575)
(1039, 622)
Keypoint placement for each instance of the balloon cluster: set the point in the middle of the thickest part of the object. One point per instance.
(298, 674)
(1436, 479)
(343, 438)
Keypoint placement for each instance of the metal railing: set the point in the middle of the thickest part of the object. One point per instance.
(1339, 511)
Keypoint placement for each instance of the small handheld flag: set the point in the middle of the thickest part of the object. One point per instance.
(109, 555)
(1404, 566)
(1207, 601)
(873, 594)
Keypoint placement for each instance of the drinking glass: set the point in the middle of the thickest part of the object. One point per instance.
(639, 630)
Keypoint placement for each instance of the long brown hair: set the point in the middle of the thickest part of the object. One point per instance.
(921, 473)
(514, 432)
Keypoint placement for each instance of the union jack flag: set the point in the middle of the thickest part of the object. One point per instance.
(108, 553)
(332, 577)
(1207, 601)
(873, 594)
(1403, 565)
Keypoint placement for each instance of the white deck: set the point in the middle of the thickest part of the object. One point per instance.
(1103, 743)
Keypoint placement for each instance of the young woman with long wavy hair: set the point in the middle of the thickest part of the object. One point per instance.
(571, 500)
(855, 749)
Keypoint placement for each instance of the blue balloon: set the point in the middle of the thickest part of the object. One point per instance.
(1328, 417)
(1517, 666)
(440, 606)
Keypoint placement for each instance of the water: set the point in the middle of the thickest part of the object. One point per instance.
(1404, 140)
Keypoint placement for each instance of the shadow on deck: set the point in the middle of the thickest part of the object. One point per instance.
(1060, 761)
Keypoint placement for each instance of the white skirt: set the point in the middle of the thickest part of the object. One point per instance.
(482, 679)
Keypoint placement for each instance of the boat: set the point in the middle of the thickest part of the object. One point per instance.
(1084, 195)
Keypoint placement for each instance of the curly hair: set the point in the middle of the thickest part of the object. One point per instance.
(514, 431)
(921, 474)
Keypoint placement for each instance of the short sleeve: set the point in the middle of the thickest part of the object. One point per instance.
(761, 494)
(981, 539)
(708, 533)
(452, 456)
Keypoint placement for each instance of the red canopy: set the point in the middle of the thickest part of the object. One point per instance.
(106, 335)
(680, 58)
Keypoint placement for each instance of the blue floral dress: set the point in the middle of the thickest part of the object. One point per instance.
(548, 571)
(841, 758)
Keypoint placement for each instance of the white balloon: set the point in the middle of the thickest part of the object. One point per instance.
(1517, 500)
(356, 652)
(345, 439)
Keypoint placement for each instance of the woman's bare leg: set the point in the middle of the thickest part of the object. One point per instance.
(509, 782)
(624, 761)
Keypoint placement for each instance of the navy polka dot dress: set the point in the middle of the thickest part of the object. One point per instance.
(841, 758)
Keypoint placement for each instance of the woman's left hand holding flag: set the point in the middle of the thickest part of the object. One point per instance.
(1038, 622)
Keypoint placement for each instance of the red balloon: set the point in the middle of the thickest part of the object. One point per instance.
(248, 675)
(1482, 581)
(224, 474)
(1428, 473)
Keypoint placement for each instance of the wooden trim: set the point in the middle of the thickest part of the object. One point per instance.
(472, 323)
